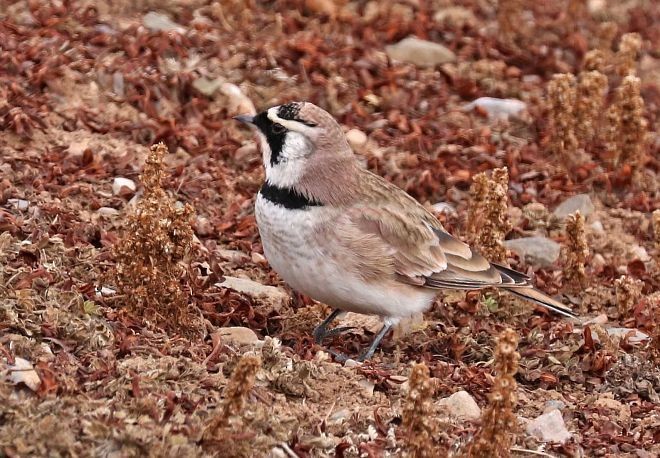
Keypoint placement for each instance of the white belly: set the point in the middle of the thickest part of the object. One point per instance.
(292, 249)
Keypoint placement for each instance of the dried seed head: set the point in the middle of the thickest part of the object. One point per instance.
(240, 384)
(576, 251)
(605, 35)
(418, 422)
(157, 238)
(488, 220)
(628, 294)
(629, 48)
(591, 90)
(509, 19)
(498, 422)
(656, 232)
(235, 394)
(627, 126)
(561, 98)
(594, 60)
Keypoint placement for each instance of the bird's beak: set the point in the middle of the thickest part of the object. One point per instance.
(246, 119)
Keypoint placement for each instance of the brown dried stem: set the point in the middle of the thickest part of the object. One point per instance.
(629, 48)
(418, 424)
(576, 252)
(589, 106)
(656, 233)
(627, 126)
(149, 258)
(488, 220)
(628, 294)
(509, 20)
(498, 422)
(561, 97)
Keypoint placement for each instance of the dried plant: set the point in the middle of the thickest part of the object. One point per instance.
(235, 393)
(605, 35)
(418, 423)
(629, 48)
(576, 9)
(595, 60)
(628, 294)
(498, 422)
(653, 302)
(561, 97)
(488, 220)
(509, 20)
(576, 251)
(150, 257)
(627, 126)
(589, 106)
(656, 231)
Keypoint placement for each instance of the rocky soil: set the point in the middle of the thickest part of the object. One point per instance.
(87, 87)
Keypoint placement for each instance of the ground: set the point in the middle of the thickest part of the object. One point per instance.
(87, 87)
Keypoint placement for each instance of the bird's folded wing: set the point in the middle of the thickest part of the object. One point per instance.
(419, 250)
(411, 244)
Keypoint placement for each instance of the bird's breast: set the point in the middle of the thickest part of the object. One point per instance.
(298, 248)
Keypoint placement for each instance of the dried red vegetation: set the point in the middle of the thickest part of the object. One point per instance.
(86, 88)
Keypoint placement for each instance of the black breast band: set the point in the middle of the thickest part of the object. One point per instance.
(286, 197)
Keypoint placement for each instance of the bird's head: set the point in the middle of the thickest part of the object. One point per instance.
(296, 139)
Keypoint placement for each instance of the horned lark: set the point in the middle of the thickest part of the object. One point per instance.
(346, 237)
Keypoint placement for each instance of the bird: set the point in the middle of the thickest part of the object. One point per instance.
(350, 239)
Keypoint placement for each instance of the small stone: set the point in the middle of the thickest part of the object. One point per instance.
(638, 252)
(274, 296)
(539, 251)
(581, 202)
(461, 405)
(352, 363)
(596, 6)
(635, 336)
(549, 427)
(367, 386)
(600, 319)
(203, 226)
(108, 211)
(258, 258)
(554, 404)
(158, 22)
(238, 335)
(456, 16)
(356, 138)
(420, 52)
(237, 101)
(23, 372)
(19, 204)
(207, 86)
(497, 108)
(339, 416)
(444, 207)
(597, 227)
(120, 183)
(233, 256)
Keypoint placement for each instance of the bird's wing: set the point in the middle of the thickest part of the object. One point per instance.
(400, 234)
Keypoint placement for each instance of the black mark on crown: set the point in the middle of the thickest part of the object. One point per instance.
(289, 111)
(286, 197)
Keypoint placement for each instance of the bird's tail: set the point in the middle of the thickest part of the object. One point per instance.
(536, 296)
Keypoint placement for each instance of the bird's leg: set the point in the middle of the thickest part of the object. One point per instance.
(321, 330)
(372, 348)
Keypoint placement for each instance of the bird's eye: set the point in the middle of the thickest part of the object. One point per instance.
(278, 128)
